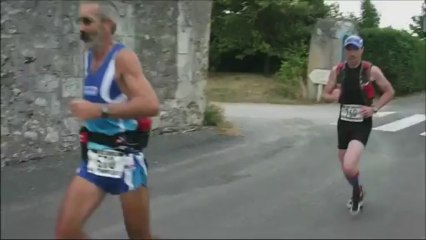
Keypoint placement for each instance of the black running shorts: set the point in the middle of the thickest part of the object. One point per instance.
(348, 131)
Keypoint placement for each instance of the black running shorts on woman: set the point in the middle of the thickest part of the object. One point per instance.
(351, 125)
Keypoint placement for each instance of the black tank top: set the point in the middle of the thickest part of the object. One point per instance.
(351, 92)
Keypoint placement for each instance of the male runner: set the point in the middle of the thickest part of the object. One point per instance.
(116, 94)
(355, 93)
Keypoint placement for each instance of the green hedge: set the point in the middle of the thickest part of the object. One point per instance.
(400, 56)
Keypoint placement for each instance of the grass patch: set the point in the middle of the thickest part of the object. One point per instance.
(215, 117)
(245, 87)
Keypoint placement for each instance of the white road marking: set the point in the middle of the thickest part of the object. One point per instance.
(377, 115)
(383, 114)
(402, 123)
(423, 134)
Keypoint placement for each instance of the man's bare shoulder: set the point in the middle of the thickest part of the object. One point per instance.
(127, 61)
(126, 55)
(375, 68)
(376, 72)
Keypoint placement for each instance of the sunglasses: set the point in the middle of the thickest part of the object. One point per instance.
(85, 20)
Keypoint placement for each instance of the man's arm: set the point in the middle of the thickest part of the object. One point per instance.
(143, 101)
(329, 87)
(384, 85)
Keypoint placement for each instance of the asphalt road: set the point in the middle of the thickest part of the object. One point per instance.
(281, 179)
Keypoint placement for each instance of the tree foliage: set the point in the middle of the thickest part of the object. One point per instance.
(293, 71)
(418, 26)
(370, 18)
(266, 28)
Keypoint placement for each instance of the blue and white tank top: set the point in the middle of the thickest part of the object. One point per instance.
(101, 87)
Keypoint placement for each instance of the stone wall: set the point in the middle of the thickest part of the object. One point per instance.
(327, 45)
(41, 59)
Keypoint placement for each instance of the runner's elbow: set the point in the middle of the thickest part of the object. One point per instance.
(151, 108)
(326, 97)
(391, 92)
(155, 109)
(145, 107)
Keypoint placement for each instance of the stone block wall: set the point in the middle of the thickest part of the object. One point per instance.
(41, 68)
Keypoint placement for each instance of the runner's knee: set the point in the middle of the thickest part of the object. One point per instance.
(350, 164)
(135, 206)
(69, 230)
(63, 231)
(81, 199)
(350, 169)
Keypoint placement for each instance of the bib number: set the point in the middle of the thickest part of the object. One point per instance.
(351, 113)
(107, 163)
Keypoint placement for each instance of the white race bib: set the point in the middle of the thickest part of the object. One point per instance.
(107, 163)
(351, 113)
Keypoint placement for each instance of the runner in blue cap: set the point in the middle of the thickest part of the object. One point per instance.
(351, 84)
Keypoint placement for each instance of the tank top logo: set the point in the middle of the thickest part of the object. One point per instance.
(90, 90)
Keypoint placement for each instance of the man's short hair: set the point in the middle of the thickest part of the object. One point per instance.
(107, 11)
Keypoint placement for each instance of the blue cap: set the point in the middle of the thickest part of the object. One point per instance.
(355, 41)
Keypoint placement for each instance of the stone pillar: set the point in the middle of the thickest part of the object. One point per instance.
(173, 42)
(41, 58)
(326, 46)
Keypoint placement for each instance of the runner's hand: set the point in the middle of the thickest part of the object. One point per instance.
(367, 111)
(85, 110)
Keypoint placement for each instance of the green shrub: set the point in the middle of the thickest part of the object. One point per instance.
(213, 116)
(420, 65)
(292, 73)
(400, 56)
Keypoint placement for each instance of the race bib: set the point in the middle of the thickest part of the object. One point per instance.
(107, 163)
(351, 113)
